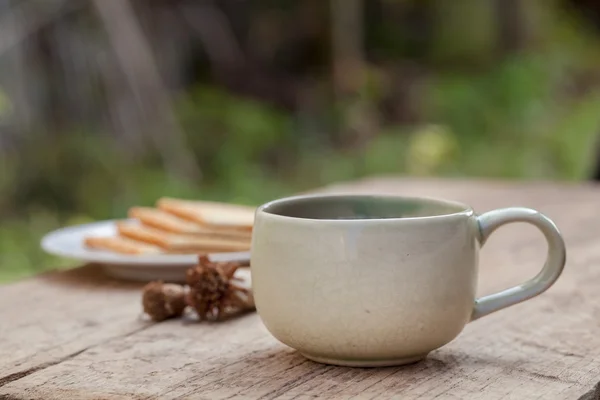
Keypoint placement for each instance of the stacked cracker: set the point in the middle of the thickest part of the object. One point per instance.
(178, 226)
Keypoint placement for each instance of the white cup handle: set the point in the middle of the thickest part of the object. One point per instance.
(554, 266)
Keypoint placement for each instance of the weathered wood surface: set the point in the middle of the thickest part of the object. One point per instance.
(78, 335)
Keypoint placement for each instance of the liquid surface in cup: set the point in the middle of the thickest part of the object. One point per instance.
(361, 207)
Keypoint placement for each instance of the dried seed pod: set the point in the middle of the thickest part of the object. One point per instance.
(212, 290)
(163, 300)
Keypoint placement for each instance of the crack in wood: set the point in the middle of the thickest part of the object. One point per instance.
(4, 380)
(22, 374)
(538, 346)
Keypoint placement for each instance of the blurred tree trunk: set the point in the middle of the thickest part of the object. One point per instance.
(355, 83)
(26, 31)
(15, 71)
(515, 28)
(347, 46)
(134, 55)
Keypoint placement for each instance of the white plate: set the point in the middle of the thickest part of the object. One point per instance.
(68, 242)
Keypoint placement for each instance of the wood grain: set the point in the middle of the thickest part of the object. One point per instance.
(78, 335)
(56, 315)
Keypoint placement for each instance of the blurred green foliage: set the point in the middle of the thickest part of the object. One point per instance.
(526, 116)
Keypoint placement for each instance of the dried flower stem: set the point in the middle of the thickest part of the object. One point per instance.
(163, 300)
(211, 291)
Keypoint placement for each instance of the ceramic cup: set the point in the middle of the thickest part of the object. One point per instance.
(360, 280)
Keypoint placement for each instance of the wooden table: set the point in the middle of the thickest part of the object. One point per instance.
(78, 334)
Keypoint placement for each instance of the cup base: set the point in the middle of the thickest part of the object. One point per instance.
(394, 362)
